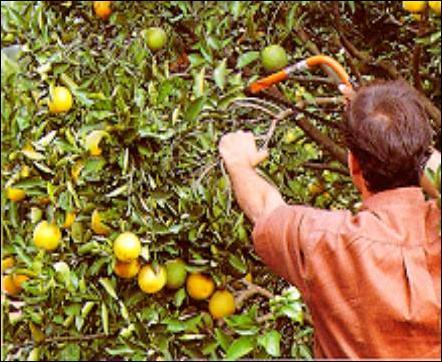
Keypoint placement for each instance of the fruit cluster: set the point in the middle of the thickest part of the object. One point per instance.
(173, 275)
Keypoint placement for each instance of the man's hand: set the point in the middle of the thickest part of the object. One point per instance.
(239, 149)
(255, 195)
(347, 92)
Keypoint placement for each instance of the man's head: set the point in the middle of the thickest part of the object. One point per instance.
(388, 134)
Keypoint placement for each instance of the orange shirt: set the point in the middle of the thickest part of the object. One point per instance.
(370, 280)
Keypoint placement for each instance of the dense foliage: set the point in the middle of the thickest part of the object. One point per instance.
(159, 174)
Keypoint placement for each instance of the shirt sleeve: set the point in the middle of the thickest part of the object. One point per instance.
(278, 241)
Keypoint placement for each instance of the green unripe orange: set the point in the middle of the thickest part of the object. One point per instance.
(274, 57)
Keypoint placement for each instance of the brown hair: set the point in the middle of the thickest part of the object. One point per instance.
(388, 131)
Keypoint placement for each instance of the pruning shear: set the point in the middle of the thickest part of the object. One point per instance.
(309, 63)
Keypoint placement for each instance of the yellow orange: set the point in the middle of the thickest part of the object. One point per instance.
(15, 194)
(8, 285)
(102, 9)
(47, 236)
(97, 226)
(8, 263)
(92, 142)
(435, 6)
(61, 100)
(221, 304)
(127, 246)
(127, 270)
(414, 6)
(69, 219)
(199, 286)
(152, 281)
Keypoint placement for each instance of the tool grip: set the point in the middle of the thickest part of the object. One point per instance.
(321, 59)
(266, 82)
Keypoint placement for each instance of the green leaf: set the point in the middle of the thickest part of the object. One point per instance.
(107, 285)
(87, 308)
(199, 85)
(271, 343)
(105, 318)
(219, 74)
(179, 297)
(240, 348)
(71, 352)
(247, 58)
(63, 273)
(194, 109)
(223, 339)
(237, 263)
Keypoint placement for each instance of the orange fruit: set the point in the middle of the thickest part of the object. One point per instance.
(69, 219)
(8, 285)
(127, 270)
(61, 100)
(97, 226)
(47, 236)
(414, 6)
(8, 263)
(435, 6)
(19, 279)
(14, 194)
(199, 286)
(127, 246)
(102, 9)
(221, 304)
(92, 142)
(176, 273)
(152, 281)
(315, 188)
(274, 57)
(156, 38)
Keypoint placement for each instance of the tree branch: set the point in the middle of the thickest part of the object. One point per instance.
(317, 136)
(386, 66)
(324, 166)
(63, 339)
(313, 48)
(251, 290)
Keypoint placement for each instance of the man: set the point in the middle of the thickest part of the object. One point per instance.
(370, 280)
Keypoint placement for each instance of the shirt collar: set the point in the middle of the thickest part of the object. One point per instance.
(412, 196)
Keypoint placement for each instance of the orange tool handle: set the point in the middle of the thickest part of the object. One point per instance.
(266, 82)
(316, 60)
(309, 63)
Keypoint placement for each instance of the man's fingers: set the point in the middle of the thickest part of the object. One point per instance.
(347, 91)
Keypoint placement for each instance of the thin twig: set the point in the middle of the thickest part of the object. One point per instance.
(251, 290)
(417, 54)
(272, 127)
(62, 339)
(386, 66)
(324, 166)
(265, 317)
(255, 106)
(206, 170)
(261, 102)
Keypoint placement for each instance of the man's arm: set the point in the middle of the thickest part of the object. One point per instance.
(255, 196)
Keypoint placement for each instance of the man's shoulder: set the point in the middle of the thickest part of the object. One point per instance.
(305, 217)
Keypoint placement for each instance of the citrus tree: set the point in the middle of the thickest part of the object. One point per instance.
(120, 235)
